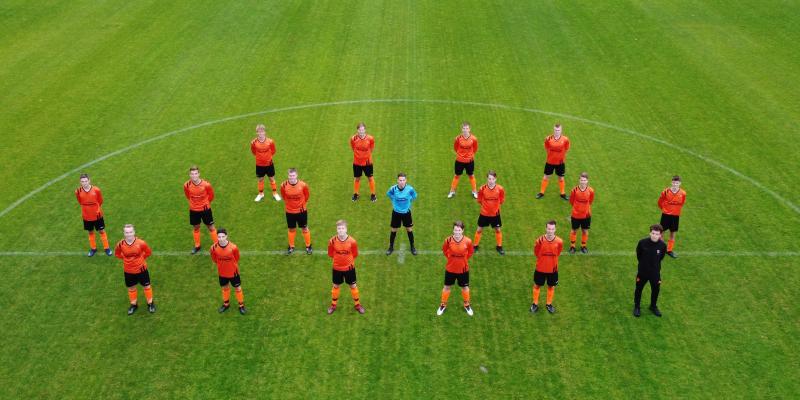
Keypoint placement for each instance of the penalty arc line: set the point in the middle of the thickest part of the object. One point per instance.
(711, 161)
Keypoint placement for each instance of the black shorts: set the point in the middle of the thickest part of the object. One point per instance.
(583, 223)
(398, 218)
(97, 224)
(485, 220)
(559, 169)
(670, 222)
(654, 279)
(359, 170)
(460, 167)
(196, 216)
(268, 170)
(348, 276)
(539, 278)
(142, 278)
(234, 281)
(451, 277)
(295, 220)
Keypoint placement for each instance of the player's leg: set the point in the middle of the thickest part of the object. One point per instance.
(224, 284)
(476, 242)
(272, 185)
(236, 282)
(337, 279)
(306, 232)
(552, 281)
(498, 239)
(260, 194)
(671, 241)
(89, 227)
(357, 172)
(584, 239)
(655, 289)
(408, 223)
(471, 174)
(560, 171)
(130, 284)
(637, 295)
(350, 278)
(368, 171)
(548, 170)
(463, 282)
(458, 169)
(144, 280)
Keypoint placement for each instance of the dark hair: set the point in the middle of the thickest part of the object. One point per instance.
(360, 124)
(676, 178)
(222, 230)
(492, 173)
(291, 170)
(84, 175)
(465, 123)
(585, 175)
(194, 168)
(403, 174)
(551, 222)
(459, 224)
(656, 227)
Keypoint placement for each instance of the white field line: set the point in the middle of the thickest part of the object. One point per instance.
(711, 161)
(402, 253)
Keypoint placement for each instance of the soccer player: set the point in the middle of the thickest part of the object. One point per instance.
(649, 253)
(556, 146)
(671, 202)
(134, 252)
(200, 195)
(91, 200)
(226, 255)
(458, 249)
(362, 145)
(343, 249)
(465, 145)
(401, 195)
(295, 196)
(491, 196)
(581, 198)
(547, 249)
(264, 149)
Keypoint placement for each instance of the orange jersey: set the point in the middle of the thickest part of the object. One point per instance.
(556, 149)
(343, 253)
(491, 199)
(672, 203)
(362, 149)
(295, 197)
(457, 254)
(90, 203)
(465, 148)
(581, 201)
(199, 195)
(547, 253)
(226, 258)
(133, 255)
(264, 151)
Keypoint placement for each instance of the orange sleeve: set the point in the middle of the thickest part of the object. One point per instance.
(474, 144)
(371, 144)
(572, 195)
(455, 145)
(331, 250)
(445, 247)
(186, 191)
(353, 143)
(99, 197)
(210, 191)
(354, 248)
(213, 251)
(591, 197)
(566, 145)
(480, 195)
(306, 192)
(272, 147)
(118, 250)
(78, 195)
(146, 250)
(470, 249)
(502, 195)
(283, 190)
(547, 143)
(661, 199)
(253, 146)
(537, 248)
(236, 253)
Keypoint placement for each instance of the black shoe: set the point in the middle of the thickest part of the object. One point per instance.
(500, 250)
(373, 198)
(196, 250)
(355, 196)
(584, 250)
(571, 249)
(224, 307)
(534, 308)
(289, 250)
(309, 250)
(413, 251)
(242, 310)
(671, 254)
(550, 308)
(655, 311)
(564, 196)
(475, 248)
(539, 195)
(389, 251)
(151, 308)
(132, 309)
(637, 312)
(91, 253)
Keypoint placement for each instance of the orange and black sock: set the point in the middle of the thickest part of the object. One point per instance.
(307, 237)
(544, 186)
(473, 183)
(92, 241)
(213, 234)
(226, 295)
(445, 296)
(498, 237)
(356, 185)
(273, 186)
(148, 294)
(196, 234)
(561, 186)
(584, 238)
(261, 187)
(551, 291)
(334, 296)
(104, 239)
(670, 244)
(292, 234)
(465, 296)
(240, 296)
(535, 294)
(477, 239)
(454, 184)
(354, 293)
(132, 296)
(372, 185)
(573, 237)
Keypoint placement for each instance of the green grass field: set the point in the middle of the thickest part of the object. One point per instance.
(644, 89)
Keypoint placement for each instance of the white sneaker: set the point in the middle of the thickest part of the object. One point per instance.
(474, 195)
(276, 196)
(441, 309)
(450, 195)
(260, 196)
(469, 311)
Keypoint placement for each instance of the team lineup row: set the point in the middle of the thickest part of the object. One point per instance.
(343, 249)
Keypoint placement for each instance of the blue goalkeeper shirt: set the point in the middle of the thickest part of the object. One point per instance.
(402, 198)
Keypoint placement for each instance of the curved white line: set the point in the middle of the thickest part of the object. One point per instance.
(711, 161)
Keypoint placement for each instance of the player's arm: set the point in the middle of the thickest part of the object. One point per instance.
(210, 192)
(213, 253)
(100, 197)
(236, 253)
(186, 191)
(591, 197)
(470, 249)
(78, 196)
(306, 193)
(566, 145)
(661, 199)
(118, 250)
(283, 190)
(683, 199)
(272, 147)
(413, 194)
(253, 146)
(390, 193)
(480, 196)
(331, 250)
(502, 196)
(639, 251)
(146, 249)
(537, 248)
(547, 144)
(446, 248)
(455, 145)
(371, 144)
(572, 195)
(354, 249)
(474, 144)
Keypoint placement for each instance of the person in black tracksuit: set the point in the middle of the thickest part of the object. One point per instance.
(649, 252)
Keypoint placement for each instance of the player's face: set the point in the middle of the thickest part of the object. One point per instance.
(458, 232)
(262, 134)
(341, 230)
(557, 131)
(129, 234)
(85, 182)
(194, 175)
(222, 238)
(583, 181)
(655, 236)
(465, 130)
(362, 131)
(491, 180)
(401, 181)
(676, 185)
(550, 230)
(292, 177)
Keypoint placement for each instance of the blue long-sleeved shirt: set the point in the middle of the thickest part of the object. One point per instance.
(402, 198)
